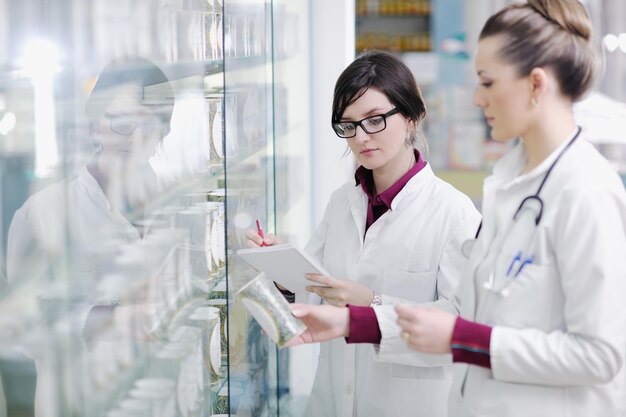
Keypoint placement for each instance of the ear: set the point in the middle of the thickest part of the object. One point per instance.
(411, 125)
(539, 82)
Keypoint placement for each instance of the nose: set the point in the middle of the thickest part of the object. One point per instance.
(137, 137)
(361, 136)
(478, 99)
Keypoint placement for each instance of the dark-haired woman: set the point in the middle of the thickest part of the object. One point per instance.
(392, 235)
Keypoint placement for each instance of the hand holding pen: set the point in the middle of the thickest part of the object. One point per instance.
(257, 237)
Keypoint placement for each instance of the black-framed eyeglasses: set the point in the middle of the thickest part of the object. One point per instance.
(372, 124)
(127, 124)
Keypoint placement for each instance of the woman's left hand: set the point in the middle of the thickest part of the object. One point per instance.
(340, 292)
(426, 329)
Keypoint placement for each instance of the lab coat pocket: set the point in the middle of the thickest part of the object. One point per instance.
(419, 397)
(534, 297)
(416, 287)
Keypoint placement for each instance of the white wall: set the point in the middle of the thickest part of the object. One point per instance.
(332, 49)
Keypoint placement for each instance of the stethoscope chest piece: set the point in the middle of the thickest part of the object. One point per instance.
(467, 247)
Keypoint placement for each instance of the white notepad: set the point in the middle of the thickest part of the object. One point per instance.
(285, 264)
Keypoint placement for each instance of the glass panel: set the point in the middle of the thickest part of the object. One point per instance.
(136, 139)
(293, 150)
(249, 189)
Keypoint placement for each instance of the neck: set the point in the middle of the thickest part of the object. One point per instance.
(386, 176)
(544, 138)
(96, 171)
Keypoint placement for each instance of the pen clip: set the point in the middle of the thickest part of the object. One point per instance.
(516, 259)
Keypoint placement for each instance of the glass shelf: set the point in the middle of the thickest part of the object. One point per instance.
(133, 164)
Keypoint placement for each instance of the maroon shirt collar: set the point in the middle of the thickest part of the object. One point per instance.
(364, 177)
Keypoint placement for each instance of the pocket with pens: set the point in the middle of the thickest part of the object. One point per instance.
(516, 252)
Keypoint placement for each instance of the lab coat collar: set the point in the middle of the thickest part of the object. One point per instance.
(507, 170)
(92, 188)
(358, 199)
(424, 177)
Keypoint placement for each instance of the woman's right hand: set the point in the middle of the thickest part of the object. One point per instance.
(253, 239)
(323, 323)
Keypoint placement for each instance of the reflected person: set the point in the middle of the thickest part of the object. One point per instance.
(66, 232)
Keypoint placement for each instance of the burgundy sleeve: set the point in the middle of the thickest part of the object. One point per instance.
(471, 343)
(363, 325)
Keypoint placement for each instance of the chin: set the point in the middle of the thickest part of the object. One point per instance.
(369, 164)
(502, 136)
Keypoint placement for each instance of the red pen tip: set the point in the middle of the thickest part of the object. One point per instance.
(260, 231)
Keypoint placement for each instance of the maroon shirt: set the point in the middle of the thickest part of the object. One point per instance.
(377, 205)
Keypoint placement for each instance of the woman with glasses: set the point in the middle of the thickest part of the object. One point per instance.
(542, 319)
(88, 217)
(393, 235)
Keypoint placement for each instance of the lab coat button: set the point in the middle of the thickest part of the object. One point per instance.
(349, 389)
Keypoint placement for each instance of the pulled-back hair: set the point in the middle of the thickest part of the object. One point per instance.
(384, 72)
(135, 72)
(554, 34)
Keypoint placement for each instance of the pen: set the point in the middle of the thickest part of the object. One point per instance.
(527, 261)
(516, 259)
(260, 231)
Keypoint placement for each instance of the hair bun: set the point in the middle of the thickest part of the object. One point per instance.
(570, 15)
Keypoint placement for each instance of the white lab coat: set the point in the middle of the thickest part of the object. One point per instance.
(558, 342)
(410, 254)
(73, 215)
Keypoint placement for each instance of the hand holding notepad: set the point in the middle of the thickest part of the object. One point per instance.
(285, 264)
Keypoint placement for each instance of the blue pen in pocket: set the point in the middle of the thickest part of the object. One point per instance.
(515, 260)
(526, 261)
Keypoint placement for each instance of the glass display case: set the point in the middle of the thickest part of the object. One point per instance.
(137, 146)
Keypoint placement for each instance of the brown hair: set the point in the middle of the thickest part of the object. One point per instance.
(554, 34)
(377, 69)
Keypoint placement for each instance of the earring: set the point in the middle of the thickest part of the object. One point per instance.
(533, 101)
(411, 139)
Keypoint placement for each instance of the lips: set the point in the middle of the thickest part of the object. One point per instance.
(367, 151)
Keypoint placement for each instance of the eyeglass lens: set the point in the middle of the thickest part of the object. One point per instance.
(127, 125)
(373, 124)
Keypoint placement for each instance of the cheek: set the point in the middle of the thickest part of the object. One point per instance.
(354, 148)
(112, 141)
(395, 136)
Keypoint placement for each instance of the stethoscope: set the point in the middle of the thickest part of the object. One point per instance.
(513, 256)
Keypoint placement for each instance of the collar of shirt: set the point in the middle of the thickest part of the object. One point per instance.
(364, 177)
(380, 204)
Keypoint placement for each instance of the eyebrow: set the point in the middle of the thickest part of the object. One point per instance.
(482, 72)
(373, 112)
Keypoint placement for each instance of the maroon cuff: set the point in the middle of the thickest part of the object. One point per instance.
(471, 343)
(363, 325)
